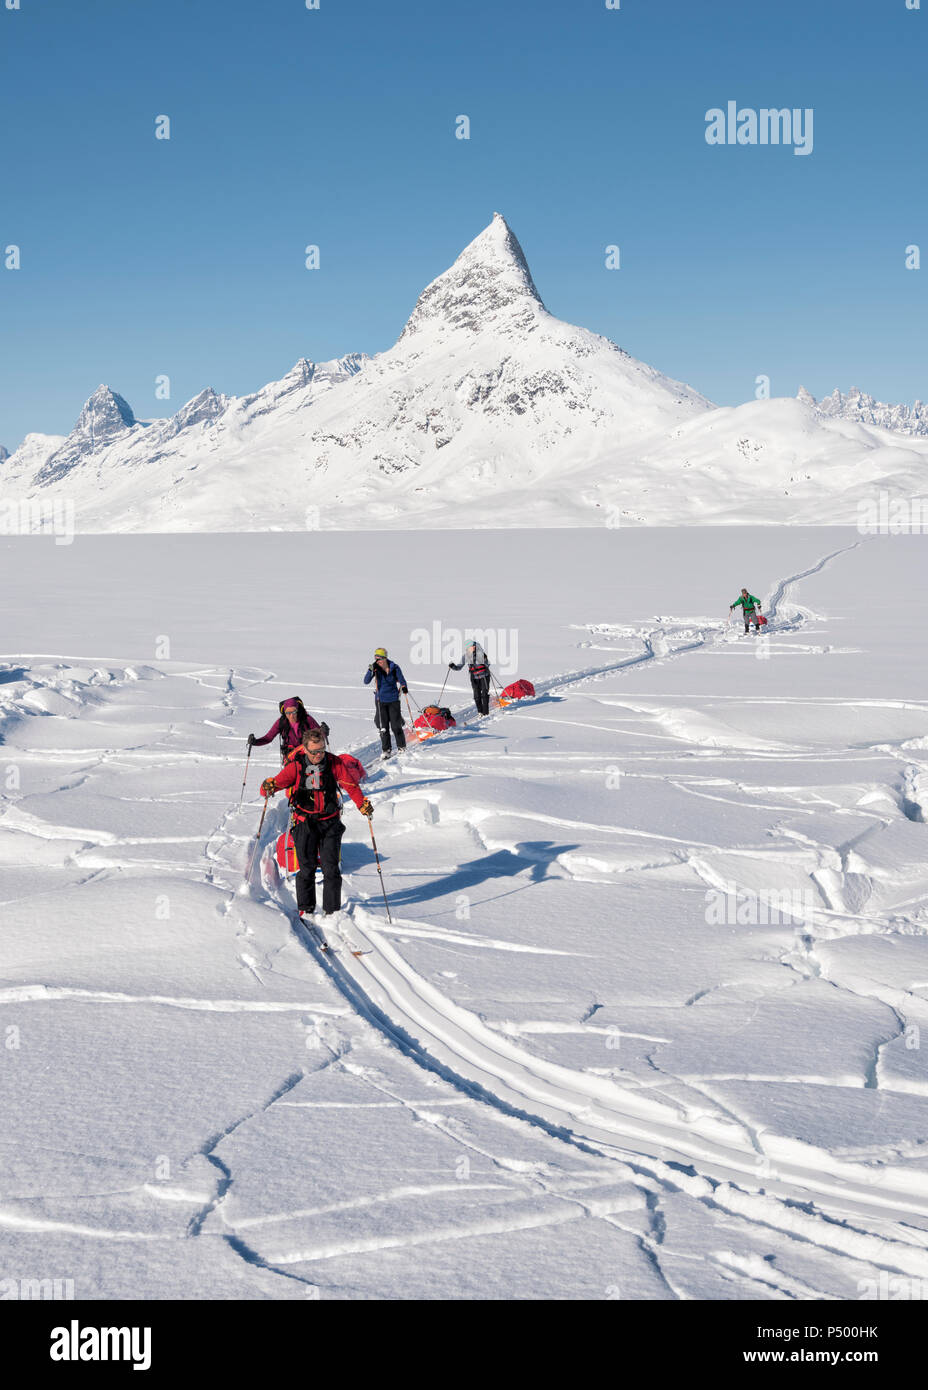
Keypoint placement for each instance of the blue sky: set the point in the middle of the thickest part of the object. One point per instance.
(336, 127)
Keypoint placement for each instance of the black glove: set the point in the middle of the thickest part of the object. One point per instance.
(251, 740)
(404, 690)
(451, 666)
(325, 728)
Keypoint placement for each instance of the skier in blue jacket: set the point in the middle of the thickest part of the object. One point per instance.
(389, 681)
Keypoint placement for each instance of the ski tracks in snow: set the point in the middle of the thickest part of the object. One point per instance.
(800, 1190)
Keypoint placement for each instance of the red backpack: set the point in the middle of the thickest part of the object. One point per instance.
(286, 853)
(354, 770)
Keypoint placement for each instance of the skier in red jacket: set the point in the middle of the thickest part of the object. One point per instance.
(311, 778)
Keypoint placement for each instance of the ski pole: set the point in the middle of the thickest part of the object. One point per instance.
(257, 841)
(412, 722)
(379, 870)
(415, 702)
(245, 778)
(443, 684)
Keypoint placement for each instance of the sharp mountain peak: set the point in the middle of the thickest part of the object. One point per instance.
(489, 282)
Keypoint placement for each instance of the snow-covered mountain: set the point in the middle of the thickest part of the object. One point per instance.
(487, 411)
(865, 410)
(105, 420)
(26, 461)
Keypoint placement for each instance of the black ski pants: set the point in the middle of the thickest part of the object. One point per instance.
(480, 685)
(312, 836)
(388, 715)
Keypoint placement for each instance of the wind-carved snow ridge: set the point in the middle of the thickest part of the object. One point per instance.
(208, 1151)
(914, 795)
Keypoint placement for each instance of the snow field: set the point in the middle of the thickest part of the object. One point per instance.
(642, 1023)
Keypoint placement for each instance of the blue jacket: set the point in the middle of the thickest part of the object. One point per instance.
(389, 683)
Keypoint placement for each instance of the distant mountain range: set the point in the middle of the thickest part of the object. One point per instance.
(864, 410)
(487, 411)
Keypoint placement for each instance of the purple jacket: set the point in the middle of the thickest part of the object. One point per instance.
(292, 737)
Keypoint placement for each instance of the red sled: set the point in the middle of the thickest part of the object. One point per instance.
(286, 853)
(761, 621)
(519, 690)
(434, 720)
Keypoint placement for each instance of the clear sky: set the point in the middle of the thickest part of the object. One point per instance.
(336, 127)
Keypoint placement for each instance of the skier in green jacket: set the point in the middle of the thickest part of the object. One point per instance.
(750, 607)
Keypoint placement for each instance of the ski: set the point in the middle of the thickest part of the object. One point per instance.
(323, 943)
(346, 940)
(315, 931)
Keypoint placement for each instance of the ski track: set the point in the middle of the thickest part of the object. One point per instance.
(805, 1194)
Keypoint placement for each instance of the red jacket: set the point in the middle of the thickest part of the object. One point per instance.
(288, 776)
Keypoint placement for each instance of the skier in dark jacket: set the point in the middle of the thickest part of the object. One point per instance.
(292, 726)
(389, 681)
(312, 778)
(750, 607)
(478, 668)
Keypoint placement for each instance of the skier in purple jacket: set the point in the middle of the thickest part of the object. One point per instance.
(292, 726)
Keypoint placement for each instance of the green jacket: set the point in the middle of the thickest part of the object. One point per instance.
(749, 602)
